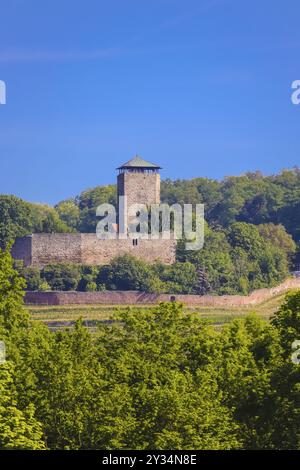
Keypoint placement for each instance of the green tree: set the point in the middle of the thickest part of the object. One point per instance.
(174, 407)
(46, 219)
(178, 278)
(19, 430)
(32, 277)
(214, 259)
(258, 261)
(249, 351)
(19, 218)
(286, 376)
(69, 212)
(15, 219)
(128, 273)
(279, 238)
(62, 276)
(88, 202)
(12, 313)
(287, 321)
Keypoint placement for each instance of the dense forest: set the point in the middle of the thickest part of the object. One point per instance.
(252, 233)
(151, 379)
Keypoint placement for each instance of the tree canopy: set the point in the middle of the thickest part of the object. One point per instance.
(154, 378)
(19, 218)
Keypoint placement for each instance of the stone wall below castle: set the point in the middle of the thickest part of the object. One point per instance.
(142, 298)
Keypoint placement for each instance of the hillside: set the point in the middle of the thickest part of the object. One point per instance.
(251, 241)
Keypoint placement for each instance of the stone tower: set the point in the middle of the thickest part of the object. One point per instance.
(139, 180)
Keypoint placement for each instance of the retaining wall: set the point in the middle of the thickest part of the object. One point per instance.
(138, 298)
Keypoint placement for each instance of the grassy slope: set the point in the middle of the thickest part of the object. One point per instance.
(67, 313)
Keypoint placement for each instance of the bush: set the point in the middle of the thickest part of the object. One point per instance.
(91, 286)
(62, 276)
(44, 286)
(32, 277)
(128, 273)
(178, 278)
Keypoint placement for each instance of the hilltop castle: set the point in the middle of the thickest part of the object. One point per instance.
(139, 181)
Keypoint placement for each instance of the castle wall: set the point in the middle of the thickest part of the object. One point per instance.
(41, 249)
(54, 248)
(95, 251)
(141, 298)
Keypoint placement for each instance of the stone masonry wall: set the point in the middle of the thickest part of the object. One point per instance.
(52, 248)
(95, 251)
(40, 249)
(139, 298)
(140, 188)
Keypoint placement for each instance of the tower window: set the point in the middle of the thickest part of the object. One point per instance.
(134, 242)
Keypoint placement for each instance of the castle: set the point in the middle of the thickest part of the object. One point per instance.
(139, 181)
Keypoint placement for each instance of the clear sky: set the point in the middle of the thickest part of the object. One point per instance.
(202, 87)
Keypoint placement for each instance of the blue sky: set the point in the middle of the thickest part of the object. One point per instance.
(201, 87)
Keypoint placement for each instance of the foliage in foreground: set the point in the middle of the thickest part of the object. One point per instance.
(159, 379)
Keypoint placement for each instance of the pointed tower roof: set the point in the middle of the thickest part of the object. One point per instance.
(138, 162)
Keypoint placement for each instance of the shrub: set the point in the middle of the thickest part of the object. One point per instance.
(62, 276)
(127, 273)
(44, 286)
(32, 277)
(91, 286)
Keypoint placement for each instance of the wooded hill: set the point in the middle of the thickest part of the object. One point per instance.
(252, 233)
